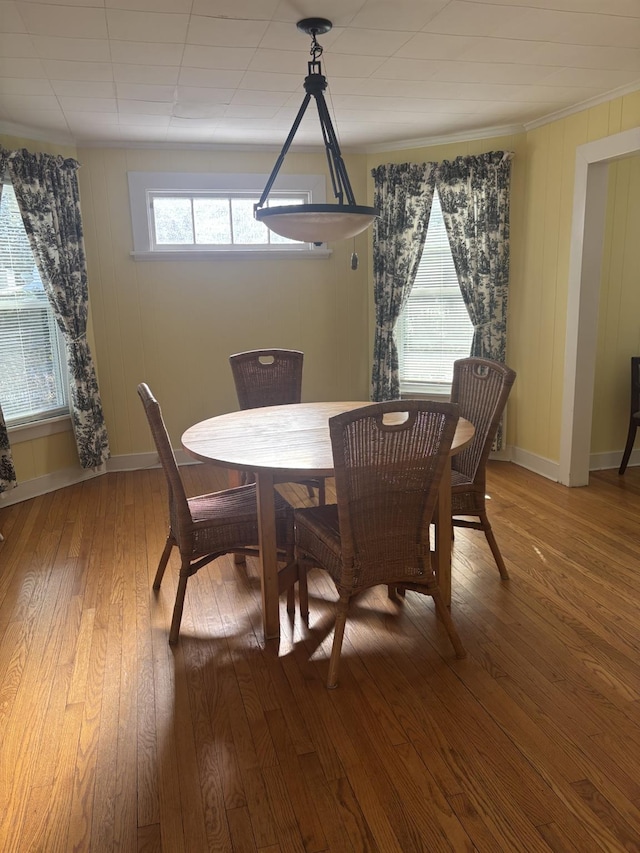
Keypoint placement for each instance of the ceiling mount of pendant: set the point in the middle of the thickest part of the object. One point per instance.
(314, 26)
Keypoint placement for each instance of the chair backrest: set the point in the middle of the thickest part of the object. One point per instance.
(389, 460)
(480, 387)
(267, 377)
(180, 515)
(635, 384)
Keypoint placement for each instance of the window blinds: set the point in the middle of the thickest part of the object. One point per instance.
(32, 383)
(434, 329)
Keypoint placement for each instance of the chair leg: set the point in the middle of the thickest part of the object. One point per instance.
(443, 612)
(342, 609)
(310, 493)
(291, 599)
(179, 605)
(164, 559)
(322, 492)
(290, 560)
(393, 592)
(303, 591)
(491, 539)
(631, 437)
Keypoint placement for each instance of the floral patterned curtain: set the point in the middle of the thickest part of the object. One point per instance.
(474, 193)
(7, 471)
(46, 187)
(403, 195)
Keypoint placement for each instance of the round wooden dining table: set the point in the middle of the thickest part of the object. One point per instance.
(286, 443)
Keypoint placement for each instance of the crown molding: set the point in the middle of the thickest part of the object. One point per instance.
(582, 106)
(199, 146)
(445, 139)
(38, 135)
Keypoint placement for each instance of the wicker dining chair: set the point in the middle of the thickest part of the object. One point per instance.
(481, 388)
(272, 377)
(207, 526)
(634, 412)
(388, 469)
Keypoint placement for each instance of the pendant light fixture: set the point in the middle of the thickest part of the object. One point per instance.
(316, 223)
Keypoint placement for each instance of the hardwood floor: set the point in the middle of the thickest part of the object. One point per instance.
(113, 741)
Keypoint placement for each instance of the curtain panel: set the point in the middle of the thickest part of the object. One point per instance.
(7, 470)
(403, 194)
(474, 194)
(46, 187)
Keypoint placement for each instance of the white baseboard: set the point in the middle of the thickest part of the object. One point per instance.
(133, 462)
(28, 489)
(612, 459)
(538, 464)
(140, 461)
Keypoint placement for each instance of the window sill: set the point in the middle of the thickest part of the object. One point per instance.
(238, 254)
(425, 392)
(39, 429)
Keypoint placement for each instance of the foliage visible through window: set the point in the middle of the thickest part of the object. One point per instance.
(205, 220)
(434, 328)
(32, 376)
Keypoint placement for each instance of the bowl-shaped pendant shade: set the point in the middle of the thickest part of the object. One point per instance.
(317, 223)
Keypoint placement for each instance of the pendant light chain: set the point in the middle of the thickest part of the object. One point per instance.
(316, 49)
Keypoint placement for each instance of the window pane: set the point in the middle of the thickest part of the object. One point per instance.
(212, 220)
(31, 372)
(246, 229)
(434, 329)
(206, 220)
(173, 220)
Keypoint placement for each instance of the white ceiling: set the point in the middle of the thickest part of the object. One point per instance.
(231, 71)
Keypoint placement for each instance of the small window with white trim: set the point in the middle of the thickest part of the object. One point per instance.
(177, 215)
(434, 328)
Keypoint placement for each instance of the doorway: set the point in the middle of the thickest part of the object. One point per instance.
(585, 263)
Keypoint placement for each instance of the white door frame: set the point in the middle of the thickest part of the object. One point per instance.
(585, 265)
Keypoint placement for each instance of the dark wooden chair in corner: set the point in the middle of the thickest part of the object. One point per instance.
(389, 461)
(205, 527)
(634, 412)
(481, 388)
(271, 377)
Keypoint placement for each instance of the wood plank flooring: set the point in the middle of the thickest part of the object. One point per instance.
(110, 740)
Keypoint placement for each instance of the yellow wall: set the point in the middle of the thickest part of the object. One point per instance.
(174, 324)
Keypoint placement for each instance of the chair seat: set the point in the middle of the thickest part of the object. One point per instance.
(466, 498)
(317, 533)
(228, 519)
(318, 536)
(460, 479)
